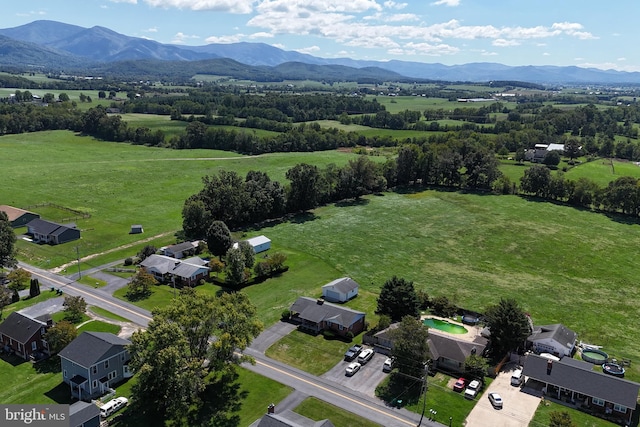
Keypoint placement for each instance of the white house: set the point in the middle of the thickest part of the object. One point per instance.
(340, 290)
(259, 243)
(556, 339)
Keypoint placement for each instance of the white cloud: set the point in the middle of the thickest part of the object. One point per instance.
(180, 38)
(394, 5)
(308, 50)
(546, 54)
(32, 13)
(124, 1)
(447, 3)
(505, 43)
(235, 38)
(261, 35)
(151, 30)
(622, 59)
(231, 6)
(487, 53)
(610, 66)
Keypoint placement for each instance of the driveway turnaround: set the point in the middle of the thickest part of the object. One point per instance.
(518, 406)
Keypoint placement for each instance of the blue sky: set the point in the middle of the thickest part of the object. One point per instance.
(585, 33)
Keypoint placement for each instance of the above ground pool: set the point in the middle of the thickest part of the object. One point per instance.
(595, 356)
(445, 326)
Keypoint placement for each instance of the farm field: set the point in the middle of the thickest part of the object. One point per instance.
(117, 184)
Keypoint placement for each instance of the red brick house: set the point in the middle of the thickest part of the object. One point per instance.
(24, 336)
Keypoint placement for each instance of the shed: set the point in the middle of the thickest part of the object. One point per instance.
(340, 290)
(259, 243)
(136, 229)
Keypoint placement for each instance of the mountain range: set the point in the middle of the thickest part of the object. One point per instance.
(56, 45)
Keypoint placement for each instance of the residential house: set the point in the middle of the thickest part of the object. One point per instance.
(180, 250)
(556, 339)
(259, 243)
(18, 217)
(288, 419)
(84, 414)
(449, 353)
(165, 269)
(316, 316)
(93, 362)
(575, 382)
(340, 290)
(43, 231)
(24, 335)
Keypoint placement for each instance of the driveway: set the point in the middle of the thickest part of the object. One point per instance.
(365, 380)
(518, 407)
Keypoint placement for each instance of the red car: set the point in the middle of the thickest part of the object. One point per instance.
(460, 384)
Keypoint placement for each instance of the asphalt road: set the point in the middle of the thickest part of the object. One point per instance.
(93, 296)
(340, 395)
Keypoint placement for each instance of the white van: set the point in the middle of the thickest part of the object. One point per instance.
(108, 408)
(517, 378)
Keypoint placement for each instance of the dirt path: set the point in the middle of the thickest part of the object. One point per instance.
(128, 245)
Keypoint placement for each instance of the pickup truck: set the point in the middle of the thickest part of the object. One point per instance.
(353, 352)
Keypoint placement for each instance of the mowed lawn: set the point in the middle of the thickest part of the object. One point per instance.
(563, 265)
(118, 185)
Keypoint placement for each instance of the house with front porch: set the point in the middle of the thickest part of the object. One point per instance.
(93, 362)
(576, 383)
(43, 231)
(24, 336)
(166, 269)
(316, 315)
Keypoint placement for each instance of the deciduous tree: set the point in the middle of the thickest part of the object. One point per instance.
(146, 252)
(7, 242)
(219, 239)
(169, 357)
(75, 307)
(5, 298)
(561, 419)
(140, 285)
(195, 218)
(18, 279)
(398, 299)
(235, 267)
(410, 349)
(509, 326)
(60, 335)
(303, 192)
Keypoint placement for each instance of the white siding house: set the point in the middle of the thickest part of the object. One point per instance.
(259, 243)
(340, 290)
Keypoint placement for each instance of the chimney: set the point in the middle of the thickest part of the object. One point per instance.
(271, 409)
(549, 366)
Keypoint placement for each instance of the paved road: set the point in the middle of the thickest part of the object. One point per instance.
(305, 384)
(96, 297)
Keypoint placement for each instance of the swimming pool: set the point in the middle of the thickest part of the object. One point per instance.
(445, 326)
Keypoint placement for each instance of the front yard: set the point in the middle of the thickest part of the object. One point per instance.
(25, 382)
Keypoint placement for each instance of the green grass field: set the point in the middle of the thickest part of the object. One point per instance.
(24, 382)
(317, 410)
(118, 184)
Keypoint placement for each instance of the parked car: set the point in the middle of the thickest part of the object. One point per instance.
(365, 356)
(460, 384)
(517, 378)
(112, 406)
(496, 400)
(352, 368)
(353, 352)
(387, 366)
(472, 389)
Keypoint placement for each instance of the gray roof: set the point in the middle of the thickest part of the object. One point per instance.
(165, 264)
(20, 327)
(317, 311)
(90, 348)
(81, 412)
(184, 246)
(557, 332)
(447, 346)
(343, 285)
(290, 419)
(42, 226)
(578, 376)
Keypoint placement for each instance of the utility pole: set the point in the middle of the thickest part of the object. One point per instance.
(78, 257)
(423, 390)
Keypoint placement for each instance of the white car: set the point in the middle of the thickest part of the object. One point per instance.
(496, 400)
(365, 356)
(387, 366)
(112, 406)
(352, 368)
(472, 389)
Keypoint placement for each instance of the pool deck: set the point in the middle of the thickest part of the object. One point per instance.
(473, 332)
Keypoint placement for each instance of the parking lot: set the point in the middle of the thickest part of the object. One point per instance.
(518, 409)
(365, 380)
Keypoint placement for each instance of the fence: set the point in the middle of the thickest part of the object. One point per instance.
(77, 214)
